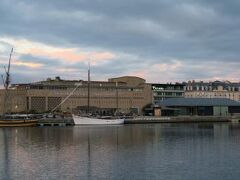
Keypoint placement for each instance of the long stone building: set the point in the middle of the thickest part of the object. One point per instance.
(126, 94)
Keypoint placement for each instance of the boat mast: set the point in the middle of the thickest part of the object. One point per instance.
(116, 98)
(6, 82)
(88, 89)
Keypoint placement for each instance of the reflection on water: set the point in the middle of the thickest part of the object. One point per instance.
(151, 151)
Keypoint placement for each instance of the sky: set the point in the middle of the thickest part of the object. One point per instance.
(158, 40)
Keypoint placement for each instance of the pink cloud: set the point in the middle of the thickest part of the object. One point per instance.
(71, 55)
(28, 64)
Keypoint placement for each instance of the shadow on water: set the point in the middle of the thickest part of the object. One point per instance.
(6, 156)
(89, 168)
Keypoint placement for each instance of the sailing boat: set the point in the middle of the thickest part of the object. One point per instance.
(7, 120)
(90, 120)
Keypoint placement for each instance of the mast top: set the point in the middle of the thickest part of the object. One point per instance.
(7, 80)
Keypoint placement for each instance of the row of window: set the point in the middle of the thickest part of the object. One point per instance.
(210, 88)
(168, 94)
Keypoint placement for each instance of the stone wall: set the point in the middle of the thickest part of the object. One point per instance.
(16, 101)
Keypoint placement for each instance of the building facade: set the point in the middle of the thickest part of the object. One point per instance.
(126, 94)
(160, 92)
(198, 107)
(216, 89)
(165, 91)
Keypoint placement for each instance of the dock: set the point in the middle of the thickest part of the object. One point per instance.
(178, 119)
(147, 119)
(56, 122)
(235, 118)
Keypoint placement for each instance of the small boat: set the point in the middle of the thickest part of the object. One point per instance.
(17, 122)
(88, 120)
(13, 120)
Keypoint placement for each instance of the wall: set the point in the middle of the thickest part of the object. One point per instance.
(220, 110)
(16, 101)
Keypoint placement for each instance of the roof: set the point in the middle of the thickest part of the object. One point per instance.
(167, 85)
(198, 102)
(225, 84)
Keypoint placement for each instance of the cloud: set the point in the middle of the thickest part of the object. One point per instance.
(28, 64)
(165, 40)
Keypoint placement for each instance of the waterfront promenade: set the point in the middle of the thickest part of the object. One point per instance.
(177, 119)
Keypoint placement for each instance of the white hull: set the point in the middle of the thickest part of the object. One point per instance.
(79, 120)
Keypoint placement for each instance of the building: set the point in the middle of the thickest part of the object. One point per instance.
(160, 92)
(198, 106)
(216, 89)
(165, 91)
(126, 94)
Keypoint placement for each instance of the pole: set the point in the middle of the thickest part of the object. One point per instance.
(6, 84)
(116, 98)
(88, 89)
(66, 98)
(7, 81)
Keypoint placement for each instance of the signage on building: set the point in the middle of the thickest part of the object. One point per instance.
(157, 88)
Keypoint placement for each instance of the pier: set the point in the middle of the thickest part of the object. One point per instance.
(56, 122)
(146, 119)
(178, 119)
(235, 118)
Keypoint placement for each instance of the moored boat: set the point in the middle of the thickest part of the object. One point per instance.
(91, 120)
(13, 120)
(82, 120)
(18, 120)
(18, 123)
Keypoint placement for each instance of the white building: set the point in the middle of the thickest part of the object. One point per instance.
(216, 89)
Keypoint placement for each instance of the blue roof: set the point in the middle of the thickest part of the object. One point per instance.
(197, 102)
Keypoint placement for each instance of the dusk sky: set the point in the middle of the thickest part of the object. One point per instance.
(158, 40)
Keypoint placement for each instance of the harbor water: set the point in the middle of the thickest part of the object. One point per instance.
(134, 151)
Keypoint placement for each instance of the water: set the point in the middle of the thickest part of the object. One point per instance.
(153, 151)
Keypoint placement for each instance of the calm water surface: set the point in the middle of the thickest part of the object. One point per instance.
(154, 151)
